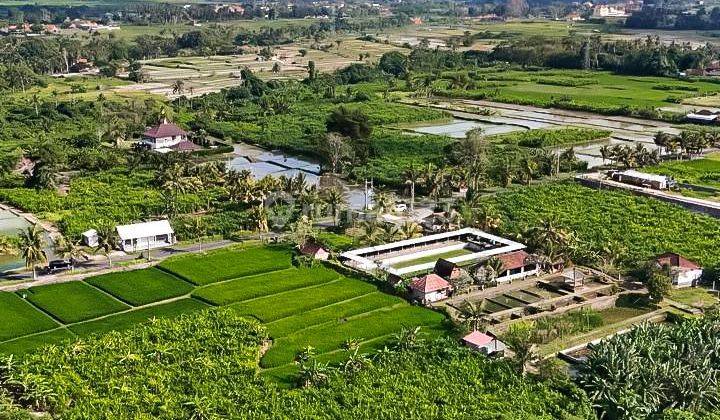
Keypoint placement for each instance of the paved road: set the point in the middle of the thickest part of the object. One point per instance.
(99, 265)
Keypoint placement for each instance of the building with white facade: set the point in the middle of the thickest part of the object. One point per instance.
(140, 237)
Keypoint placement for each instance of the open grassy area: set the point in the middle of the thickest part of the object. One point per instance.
(29, 343)
(228, 264)
(141, 287)
(73, 301)
(698, 297)
(264, 284)
(128, 319)
(20, 318)
(431, 258)
(704, 172)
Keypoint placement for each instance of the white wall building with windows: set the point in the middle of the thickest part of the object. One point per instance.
(140, 237)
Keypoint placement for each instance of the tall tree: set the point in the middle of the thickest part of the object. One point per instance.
(32, 247)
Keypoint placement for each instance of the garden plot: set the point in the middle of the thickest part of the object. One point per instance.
(141, 287)
(20, 318)
(73, 301)
(201, 269)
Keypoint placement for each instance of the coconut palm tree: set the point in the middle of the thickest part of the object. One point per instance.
(384, 202)
(473, 314)
(178, 87)
(605, 153)
(371, 232)
(335, 199)
(32, 247)
(552, 241)
(522, 338)
(107, 241)
(410, 230)
(412, 176)
(198, 229)
(69, 250)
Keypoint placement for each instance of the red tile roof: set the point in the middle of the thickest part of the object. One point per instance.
(429, 283)
(477, 338)
(311, 248)
(514, 259)
(165, 129)
(676, 260)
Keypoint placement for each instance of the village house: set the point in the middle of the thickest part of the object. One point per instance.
(703, 116)
(315, 250)
(683, 272)
(641, 179)
(144, 236)
(517, 265)
(430, 288)
(165, 137)
(484, 344)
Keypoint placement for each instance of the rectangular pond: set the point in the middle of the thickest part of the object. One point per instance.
(459, 128)
(10, 225)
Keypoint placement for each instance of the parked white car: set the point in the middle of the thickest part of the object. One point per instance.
(400, 207)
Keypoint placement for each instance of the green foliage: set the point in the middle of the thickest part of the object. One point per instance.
(644, 226)
(140, 287)
(73, 301)
(654, 367)
(220, 265)
(20, 318)
(705, 171)
(545, 137)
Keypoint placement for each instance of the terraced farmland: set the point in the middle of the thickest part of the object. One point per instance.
(301, 307)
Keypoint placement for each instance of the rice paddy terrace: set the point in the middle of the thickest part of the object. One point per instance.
(300, 307)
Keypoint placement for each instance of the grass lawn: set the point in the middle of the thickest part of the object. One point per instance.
(225, 264)
(431, 258)
(141, 287)
(30, 343)
(73, 301)
(331, 336)
(704, 172)
(698, 297)
(20, 318)
(332, 313)
(128, 319)
(274, 307)
(264, 284)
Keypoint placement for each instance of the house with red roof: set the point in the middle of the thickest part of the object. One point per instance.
(484, 344)
(430, 288)
(682, 271)
(517, 265)
(315, 250)
(164, 136)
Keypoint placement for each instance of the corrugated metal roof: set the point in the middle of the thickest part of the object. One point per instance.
(144, 230)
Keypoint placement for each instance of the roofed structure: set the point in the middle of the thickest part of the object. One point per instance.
(430, 288)
(484, 343)
(682, 271)
(147, 235)
(164, 135)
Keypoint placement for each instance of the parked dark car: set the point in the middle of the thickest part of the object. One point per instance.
(55, 266)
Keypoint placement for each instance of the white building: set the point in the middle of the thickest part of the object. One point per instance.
(143, 236)
(642, 179)
(605, 10)
(430, 288)
(517, 265)
(164, 135)
(484, 344)
(683, 272)
(90, 238)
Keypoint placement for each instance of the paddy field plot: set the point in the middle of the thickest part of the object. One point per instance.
(201, 269)
(141, 287)
(73, 301)
(20, 318)
(29, 343)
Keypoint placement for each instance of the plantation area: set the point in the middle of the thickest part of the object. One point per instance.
(301, 307)
(654, 368)
(643, 226)
(601, 92)
(554, 137)
(205, 366)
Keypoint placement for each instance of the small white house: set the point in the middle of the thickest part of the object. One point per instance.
(430, 288)
(90, 238)
(516, 265)
(143, 236)
(484, 344)
(683, 272)
(165, 135)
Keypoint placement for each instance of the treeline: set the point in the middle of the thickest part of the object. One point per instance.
(669, 18)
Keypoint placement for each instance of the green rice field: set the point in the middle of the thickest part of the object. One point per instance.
(301, 307)
(704, 172)
(141, 287)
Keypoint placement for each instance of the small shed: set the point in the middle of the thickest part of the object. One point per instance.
(90, 238)
(139, 237)
(430, 288)
(484, 344)
(315, 250)
(683, 272)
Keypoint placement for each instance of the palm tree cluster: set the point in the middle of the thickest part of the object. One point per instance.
(689, 142)
(630, 157)
(373, 232)
(656, 367)
(551, 243)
